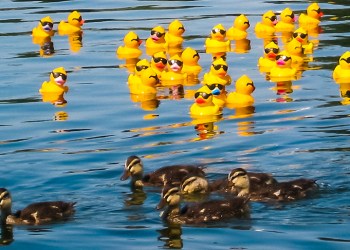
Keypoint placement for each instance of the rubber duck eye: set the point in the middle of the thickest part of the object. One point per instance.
(139, 68)
(222, 32)
(158, 34)
(219, 66)
(318, 11)
(273, 18)
(78, 19)
(291, 16)
(56, 74)
(47, 23)
(158, 59)
(171, 62)
(346, 60)
(215, 85)
(274, 50)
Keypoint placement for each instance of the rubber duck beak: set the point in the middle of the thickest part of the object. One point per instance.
(82, 22)
(216, 91)
(281, 62)
(200, 100)
(175, 67)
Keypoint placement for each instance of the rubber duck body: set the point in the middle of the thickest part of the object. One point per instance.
(58, 78)
(301, 35)
(35, 213)
(204, 105)
(218, 73)
(266, 27)
(72, 25)
(242, 96)
(174, 37)
(239, 29)
(286, 22)
(283, 70)
(266, 62)
(312, 16)
(44, 28)
(131, 46)
(295, 49)
(156, 41)
(146, 84)
(217, 41)
(174, 75)
(341, 73)
(172, 175)
(159, 62)
(190, 58)
(202, 212)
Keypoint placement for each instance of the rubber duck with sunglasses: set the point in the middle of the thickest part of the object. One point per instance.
(139, 67)
(58, 78)
(159, 62)
(267, 25)
(173, 75)
(218, 73)
(283, 70)
(341, 73)
(130, 49)
(156, 41)
(267, 61)
(203, 105)
(312, 18)
(301, 35)
(217, 41)
(73, 25)
(43, 29)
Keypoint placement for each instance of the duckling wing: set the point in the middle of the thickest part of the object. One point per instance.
(295, 189)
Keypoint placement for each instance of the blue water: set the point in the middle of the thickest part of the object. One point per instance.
(77, 152)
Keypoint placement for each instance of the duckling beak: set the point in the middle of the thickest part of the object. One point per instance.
(161, 204)
(125, 176)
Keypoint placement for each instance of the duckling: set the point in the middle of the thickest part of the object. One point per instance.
(286, 22)
(58, 78)
(165, 175)
(341, 73)
(267, 25)
(35, 213)
(174, 75)
(131, 46)
(159, 62)
(204, 105)
(192, 183)
(156, 41)
(312, 17)
(190, 58)
(301, 35)
(73, 24)
(218, 73)
(266, 62)
(283, 69)
(202, 212)
(174, 37)
(217, 39)
(281, 191)
(239, 29)
(146, 84)
(295, 49)
(44, 28)
(242, 96)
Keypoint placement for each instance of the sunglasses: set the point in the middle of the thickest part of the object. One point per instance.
(139, 68)
(215, 85)
(171, 62)
(302, 35)
(219, 66)
(78, 19)
(274, 50)
(158, 34)
(159, 59)
(273, 18)
(56, 74)
(47, 23)
(222, 32)
(203, 94)
(346, 60)
(283, 57)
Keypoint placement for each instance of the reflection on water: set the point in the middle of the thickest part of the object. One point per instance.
(6, 235)
(171, 236)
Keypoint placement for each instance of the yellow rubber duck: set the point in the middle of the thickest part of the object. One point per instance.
(190, 58)
(295, 49)
(156, 41)
(267, 25)
(302, 36)
(173, 37)
(44, 28)
(217, 40)
(204, 105)
(219, 93)
(268, 61)
(174, 75)
(147, 85)
(58, 78)
(242, 96)
(140, 66)
(131, 46)
(312, 17)
(286, 22)
(72, 25)
(218, 73)
(341, 73)
(239, 29)
(158, 63)
(283, 70)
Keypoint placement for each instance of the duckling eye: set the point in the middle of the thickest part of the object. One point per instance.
(203, 94)
(219, 66)
(158, 59)
(57, 74)
(215, 85)
(274, 50)
(47, 23)
(346, 60)
(222, 32)
(158, 34)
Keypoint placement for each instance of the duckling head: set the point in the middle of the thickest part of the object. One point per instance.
(194, 184)
(271, 50)
(149, 77)
(141, 65)
(218, 32)
(245, 85)
(287, 16)
(269, 18)
(170, 196)
(5, 203)
(301, 35)
(203, 96)
(344, 60)
(175, 63)
(46, 23)
(238, 178)
(132, 40)
(294, 47)
(157, 34)
(133, 167)
(241, 22)
(75, 19)
(314, 11)
(219, 67)
(159, 60)
(190, 56)
(283, 59)
(59, 76)
(176, 28)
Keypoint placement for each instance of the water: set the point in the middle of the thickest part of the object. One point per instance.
(77, 152)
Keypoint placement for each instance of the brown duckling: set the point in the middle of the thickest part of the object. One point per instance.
(164, 175)
(281, 191)
(35, 213)
(193, 183)
(202, 212)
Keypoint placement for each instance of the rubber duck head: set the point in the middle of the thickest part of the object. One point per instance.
(287, 16)
(176, 28)
(75, 19)
(190, 56)
(157, 34)
(149, 77)
(141, 65)
(301, 35)
(245, 85)
(219, 67)
(294, 47)
(132, 40)
(241, 22)
(271, 50)
(175, 63)
(314, 11)
(218, 32)
(159, 60)
(46, 23)
(344, 60)
(269, 18)
(203, 96)
(58, 76)
(283, 59)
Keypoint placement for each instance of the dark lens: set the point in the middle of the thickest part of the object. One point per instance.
(56, 74)
(158, 59)
(220, 86)
(222, 32)
(158, 34)
(218, 66)
(153, 32)
(211, 86)
(205, 95)
(295, 35)
(46, 23)
(303, 36)
(196, 95)
(139, 68)
(273, 18)
(171, 62)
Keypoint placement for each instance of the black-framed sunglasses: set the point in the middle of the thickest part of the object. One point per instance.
(57, 74)
(302, 35)
(173, 61)
(159, 59)
(222, 32)
(215, 85)
(283, 57)
(47, 23)
(274, 50)
(203, 94)
(142, 67)
(219, 66)
(158, 34)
